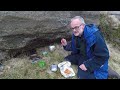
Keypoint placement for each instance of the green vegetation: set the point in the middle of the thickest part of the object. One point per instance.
(22, 68)
(111, 33)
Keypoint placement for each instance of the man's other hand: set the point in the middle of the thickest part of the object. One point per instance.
(82, 66)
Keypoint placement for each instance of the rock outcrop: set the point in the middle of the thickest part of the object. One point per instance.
(25, 30)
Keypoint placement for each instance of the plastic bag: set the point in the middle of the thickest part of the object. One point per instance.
(64, 63)
(65, 69)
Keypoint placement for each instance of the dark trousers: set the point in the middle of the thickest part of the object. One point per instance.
(78, 60)
(112, 73)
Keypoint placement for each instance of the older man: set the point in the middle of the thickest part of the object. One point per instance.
(89, 50)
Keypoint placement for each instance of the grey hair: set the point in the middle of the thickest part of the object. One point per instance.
(78, 17)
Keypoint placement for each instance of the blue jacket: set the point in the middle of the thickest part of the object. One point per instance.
(96, 50)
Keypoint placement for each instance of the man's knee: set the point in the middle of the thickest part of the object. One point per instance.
(72, 59)
(112, 73)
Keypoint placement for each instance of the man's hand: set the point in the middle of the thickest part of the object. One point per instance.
(63, 42)
(82, 66)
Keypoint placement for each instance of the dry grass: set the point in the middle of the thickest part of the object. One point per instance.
(21, 68)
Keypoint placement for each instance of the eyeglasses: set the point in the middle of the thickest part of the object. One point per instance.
(76, 27)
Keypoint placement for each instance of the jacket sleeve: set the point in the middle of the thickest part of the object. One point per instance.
(68, 47)
(100, 54)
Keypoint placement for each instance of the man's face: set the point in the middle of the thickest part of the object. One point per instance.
(77, 27)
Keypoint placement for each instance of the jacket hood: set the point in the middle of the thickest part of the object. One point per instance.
(89, 30)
